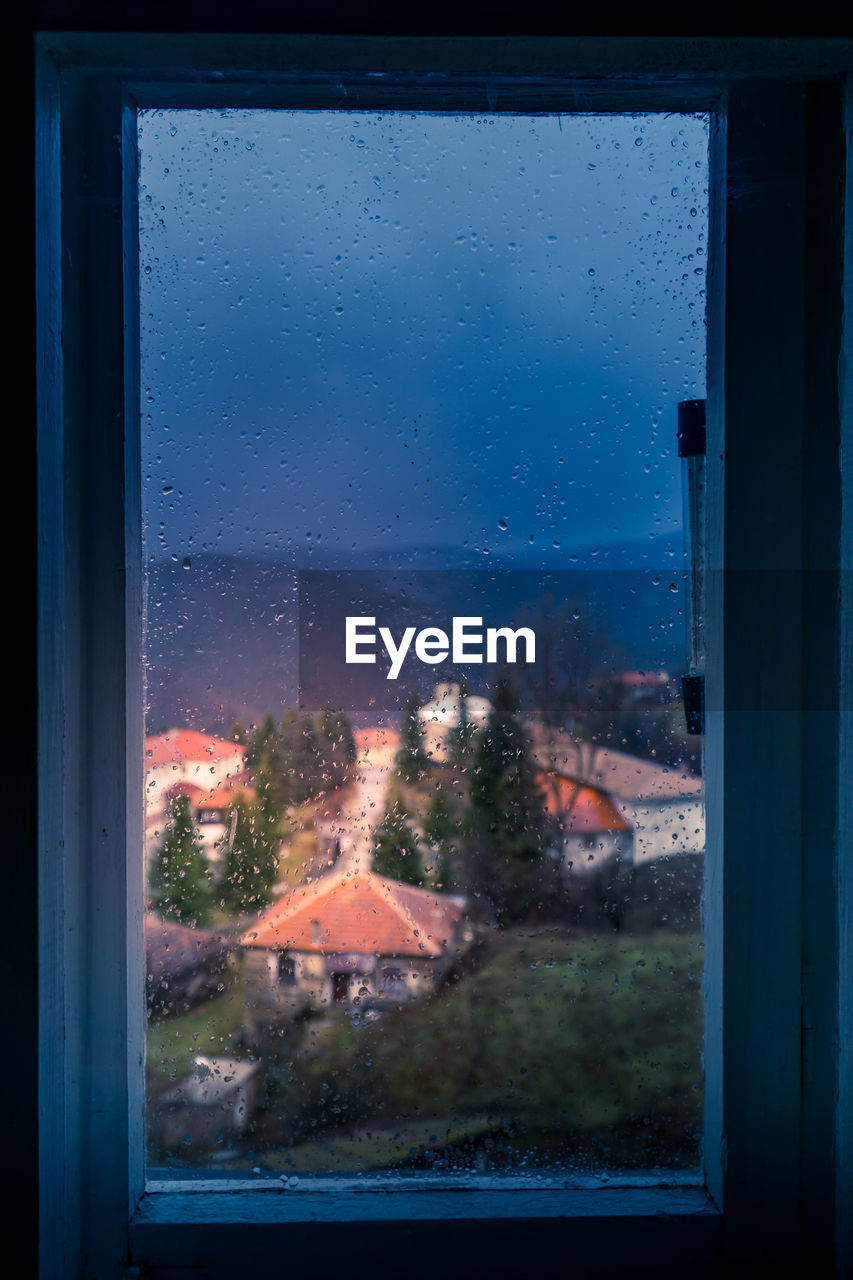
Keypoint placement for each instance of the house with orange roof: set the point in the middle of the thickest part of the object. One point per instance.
(208, 770)
(663, 805)
(589, 830)
(377, 745)
(351, 938)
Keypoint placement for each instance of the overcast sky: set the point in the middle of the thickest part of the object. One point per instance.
(368, 331)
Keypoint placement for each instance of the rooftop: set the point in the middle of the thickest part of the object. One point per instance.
(376, 736)
(581, 809)
(176, 746)
(625, 777)
(358, 911)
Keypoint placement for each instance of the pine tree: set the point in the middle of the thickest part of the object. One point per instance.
(301, 756)
(395, 848)
(250, 867)
(336, 747)
(509, 816)
(442, 829)
(411, 760)
(267, 762)
(460, 739)
(179, 880)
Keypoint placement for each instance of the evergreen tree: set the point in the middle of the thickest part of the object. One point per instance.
(395, 848)
(258, 739)
(411, 760)
(336, 747)
(460, 739)
(289, 741)
(509, 815)
(301, 754)
(251, 861)
(179, 880)
(442, 829)
(267, 762)
(439, 825)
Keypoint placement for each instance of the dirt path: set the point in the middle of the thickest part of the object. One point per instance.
(360, 810)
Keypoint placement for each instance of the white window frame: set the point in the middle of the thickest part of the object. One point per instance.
(777, 1128)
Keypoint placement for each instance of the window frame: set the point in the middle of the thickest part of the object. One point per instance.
(777, 914)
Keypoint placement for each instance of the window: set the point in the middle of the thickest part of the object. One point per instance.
(494, 366)
(773, 731)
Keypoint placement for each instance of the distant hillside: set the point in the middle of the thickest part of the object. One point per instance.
(221, 641)
(223, 630)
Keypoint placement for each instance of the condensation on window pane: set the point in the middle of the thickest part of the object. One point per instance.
(424, 835)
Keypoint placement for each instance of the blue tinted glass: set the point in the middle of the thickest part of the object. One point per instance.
(424, 831)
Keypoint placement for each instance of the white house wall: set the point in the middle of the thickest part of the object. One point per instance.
(581, 858)
(666, 827)
(270, 1001)
(206, 774)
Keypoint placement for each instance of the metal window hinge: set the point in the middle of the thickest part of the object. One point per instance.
(691, 447)
(693, 696)
(691, 429)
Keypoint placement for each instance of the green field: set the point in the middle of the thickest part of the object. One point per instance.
(210, 1028)
(553, 1047)
(552, 1042)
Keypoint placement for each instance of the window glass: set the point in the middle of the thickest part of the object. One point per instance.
(424, 832)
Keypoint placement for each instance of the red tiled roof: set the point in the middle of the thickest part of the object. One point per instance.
(177, 745)
(580, 808)
(218, 797)
(622, 776)
(359, 912)
(223, 795)
(644, 679)
(158, 813)
(188, 789)
(376, 736)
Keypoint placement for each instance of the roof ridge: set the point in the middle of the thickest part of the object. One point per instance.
(403, 911)
(360, 895)
(278, 912)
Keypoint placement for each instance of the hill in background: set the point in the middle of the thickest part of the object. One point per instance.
(222, 631)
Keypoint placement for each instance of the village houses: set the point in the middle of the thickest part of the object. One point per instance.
(616, 805)
(209, 771)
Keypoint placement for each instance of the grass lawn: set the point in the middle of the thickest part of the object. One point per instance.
(558, 1039)
(173, 1042)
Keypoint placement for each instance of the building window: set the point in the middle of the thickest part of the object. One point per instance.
(393, 983)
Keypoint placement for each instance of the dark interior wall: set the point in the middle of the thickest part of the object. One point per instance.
(444, 17)
(734, 18)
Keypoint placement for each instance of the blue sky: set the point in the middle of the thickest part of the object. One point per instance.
(378, 330)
